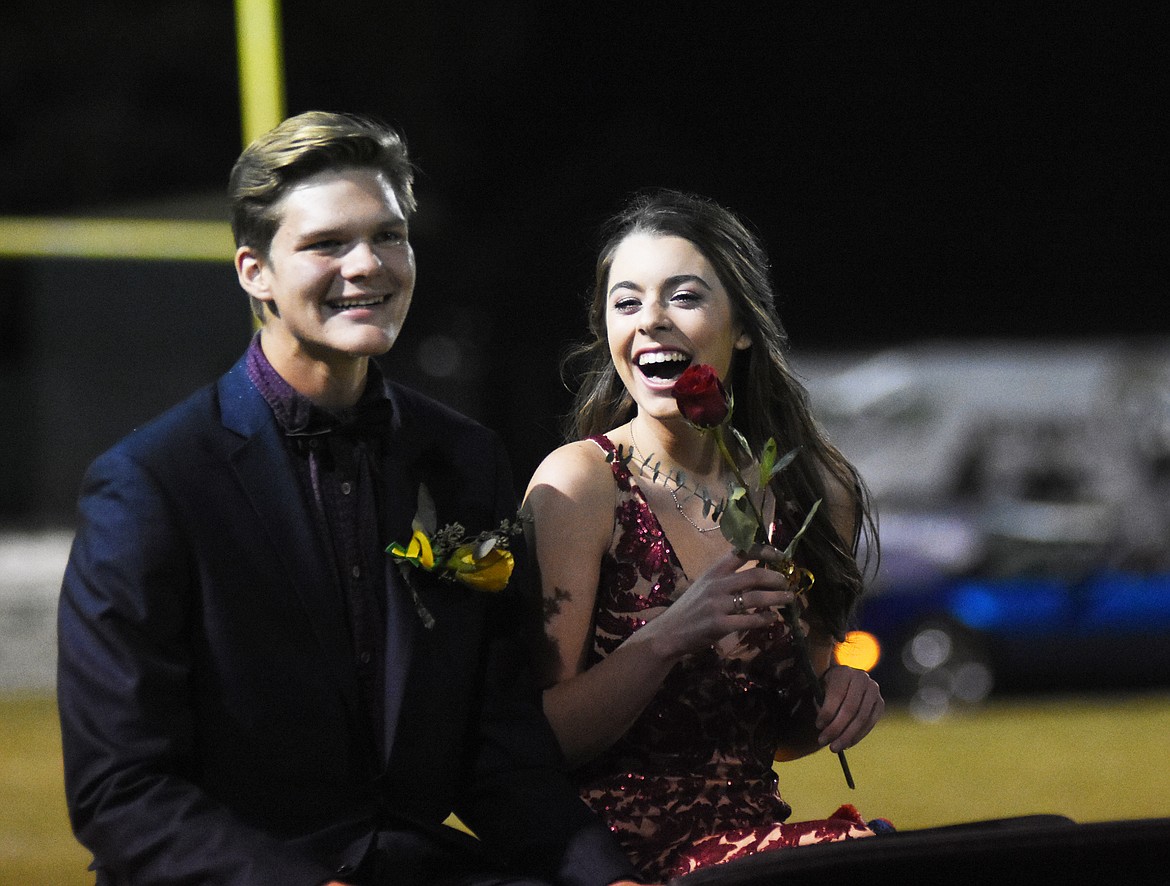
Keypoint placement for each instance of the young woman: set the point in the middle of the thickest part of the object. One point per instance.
(672, 682)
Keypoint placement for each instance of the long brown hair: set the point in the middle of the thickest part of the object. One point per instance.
(770, 402)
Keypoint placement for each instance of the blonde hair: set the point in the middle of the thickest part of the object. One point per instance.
(302, 146)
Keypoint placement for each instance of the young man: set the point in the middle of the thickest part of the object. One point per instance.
(250, 691)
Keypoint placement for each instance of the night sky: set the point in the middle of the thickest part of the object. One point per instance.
(916, 170)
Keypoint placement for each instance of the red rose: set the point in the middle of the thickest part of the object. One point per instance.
(701, 397)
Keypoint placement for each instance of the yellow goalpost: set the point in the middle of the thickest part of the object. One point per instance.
(261, 73)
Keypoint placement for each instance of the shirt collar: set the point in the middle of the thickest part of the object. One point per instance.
(296, 414)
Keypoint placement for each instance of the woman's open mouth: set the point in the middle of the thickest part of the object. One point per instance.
(663, 365)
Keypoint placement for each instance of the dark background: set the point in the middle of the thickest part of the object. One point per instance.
(916, 170)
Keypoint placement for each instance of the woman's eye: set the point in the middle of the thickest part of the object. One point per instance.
(686, 296)
(626, 304)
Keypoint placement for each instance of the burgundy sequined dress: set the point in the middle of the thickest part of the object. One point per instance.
(691, 783)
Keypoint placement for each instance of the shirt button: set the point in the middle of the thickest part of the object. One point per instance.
(346, 488)
(356, 572)
(314, 443)
(364, 658)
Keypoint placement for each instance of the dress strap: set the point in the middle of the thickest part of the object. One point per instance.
(621, 471)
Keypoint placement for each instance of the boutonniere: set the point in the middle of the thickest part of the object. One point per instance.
(481, 562)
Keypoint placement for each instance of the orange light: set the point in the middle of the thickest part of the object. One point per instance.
(861, 649)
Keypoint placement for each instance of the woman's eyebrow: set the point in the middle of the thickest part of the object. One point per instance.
(679, 279)
(668, 283)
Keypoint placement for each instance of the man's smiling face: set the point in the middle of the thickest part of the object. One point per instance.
(339, 276)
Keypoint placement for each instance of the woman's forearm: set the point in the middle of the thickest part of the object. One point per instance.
(593, 709)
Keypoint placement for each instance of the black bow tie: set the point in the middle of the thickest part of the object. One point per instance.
(369, 422)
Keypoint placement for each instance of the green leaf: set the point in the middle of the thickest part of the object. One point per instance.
(782, 463)
(621, 454)
(788, 551)
(740, 439)
(737, 522)
(485, 547)
(767, 460)
(426, 518)
(717, 509)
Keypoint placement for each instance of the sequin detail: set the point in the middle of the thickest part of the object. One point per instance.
(691, 783)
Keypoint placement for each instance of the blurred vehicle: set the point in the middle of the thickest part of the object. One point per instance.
(1048, 621)
(1023, 494)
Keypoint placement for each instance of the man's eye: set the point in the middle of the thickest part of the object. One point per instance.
(392, 237)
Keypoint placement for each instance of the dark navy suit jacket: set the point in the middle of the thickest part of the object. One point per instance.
(211, 718)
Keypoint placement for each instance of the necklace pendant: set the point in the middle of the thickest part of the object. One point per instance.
(673, 495)
(687, 517)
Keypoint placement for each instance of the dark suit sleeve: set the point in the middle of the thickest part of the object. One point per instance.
(125, 698)
(523, 805)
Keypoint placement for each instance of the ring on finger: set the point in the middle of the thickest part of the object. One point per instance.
(737, 604)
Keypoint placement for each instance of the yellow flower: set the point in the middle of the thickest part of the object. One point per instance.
(417, 551)
(487, 573)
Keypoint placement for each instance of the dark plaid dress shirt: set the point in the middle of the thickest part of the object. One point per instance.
(336, 458)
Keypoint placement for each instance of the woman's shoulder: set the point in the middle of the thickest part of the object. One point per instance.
(576, 481)
(570, 500)
(580, 465)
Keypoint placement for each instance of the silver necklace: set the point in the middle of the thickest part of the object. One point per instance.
(674, 496)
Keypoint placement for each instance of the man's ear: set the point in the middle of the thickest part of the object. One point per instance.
(250, 270)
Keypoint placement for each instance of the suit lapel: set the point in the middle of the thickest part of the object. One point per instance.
(282, 515)
(400, 472)
(284, 518)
